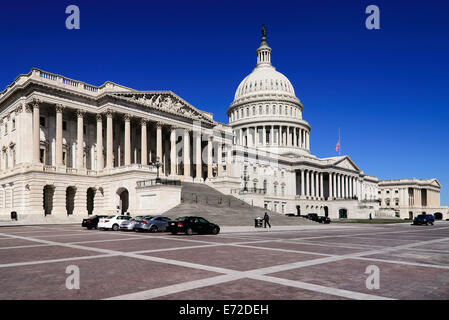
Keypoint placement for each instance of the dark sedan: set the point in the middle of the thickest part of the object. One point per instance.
(190, 225)
(91, 222)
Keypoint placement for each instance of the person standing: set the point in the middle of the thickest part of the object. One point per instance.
(266, 219)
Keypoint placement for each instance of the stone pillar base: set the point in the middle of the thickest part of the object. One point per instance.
(198, 180)
(188, 179)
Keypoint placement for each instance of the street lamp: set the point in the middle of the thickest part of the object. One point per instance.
(245, 178)
(158, 164)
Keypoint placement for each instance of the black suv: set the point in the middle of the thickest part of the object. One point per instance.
(312, 216)
(189, 225)
(323, 219)
(424, 219)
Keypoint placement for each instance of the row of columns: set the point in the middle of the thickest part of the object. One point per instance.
(127, 143)
(341, 186)
(312, 185)
(291, 137)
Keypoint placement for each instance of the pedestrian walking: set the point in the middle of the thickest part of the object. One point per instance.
(266, 219)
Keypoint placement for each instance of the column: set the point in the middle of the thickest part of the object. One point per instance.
(159, 141)
(346, 186)
(100, 160)
(307, 184)
(219, 159)
(58, 155)
(302, 183)
(331, 191)
(264, 137)
(272, 135)
(109, 141)
(209, 157)
(307, 141)
(229, 160)
(143, 142)
(312, 184)
(338, 186)
(351, 181)
(186, 153)
(281, 136)
(321, 186)
(36, 132)
(295, 139)
(80, 140)
(303, 139)
(127, 118)
(317, 184)
(241, 136)
(173, 160)
(198, 162)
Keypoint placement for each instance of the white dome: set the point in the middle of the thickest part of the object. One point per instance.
(266, 80)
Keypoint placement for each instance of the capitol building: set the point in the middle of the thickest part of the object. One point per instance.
(70, 149)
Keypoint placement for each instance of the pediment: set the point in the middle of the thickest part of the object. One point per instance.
(166, 101)
(435, 183)
(346, 163)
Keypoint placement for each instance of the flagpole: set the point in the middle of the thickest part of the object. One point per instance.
(339, 140)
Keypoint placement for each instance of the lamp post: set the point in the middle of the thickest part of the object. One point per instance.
(245, 178)
(158, 164)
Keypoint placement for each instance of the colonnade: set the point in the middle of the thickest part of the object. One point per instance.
(272, 135)
(339, 185)
(108, 163)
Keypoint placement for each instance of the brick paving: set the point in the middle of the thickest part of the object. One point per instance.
(326, 262)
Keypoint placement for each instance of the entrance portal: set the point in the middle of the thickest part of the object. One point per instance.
(123, 202)
(49, 191)
(90, 200)
(342, 213)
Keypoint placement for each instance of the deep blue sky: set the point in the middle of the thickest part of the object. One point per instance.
(386, 89)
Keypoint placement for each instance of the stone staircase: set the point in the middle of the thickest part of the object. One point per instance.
(225, 210)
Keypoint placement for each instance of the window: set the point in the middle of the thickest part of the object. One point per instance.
(42, 155)
(84, 129)
(6, 129)
(64, 157)
(13, 124)
(64, 125)
(42, 121)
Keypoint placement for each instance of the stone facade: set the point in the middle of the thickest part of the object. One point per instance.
(410, 197)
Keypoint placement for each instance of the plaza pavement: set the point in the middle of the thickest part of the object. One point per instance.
(302, 262)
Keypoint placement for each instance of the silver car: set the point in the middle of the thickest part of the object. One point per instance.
(152, 224)
(128, 225)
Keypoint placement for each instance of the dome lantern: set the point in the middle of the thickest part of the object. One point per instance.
(264, 51)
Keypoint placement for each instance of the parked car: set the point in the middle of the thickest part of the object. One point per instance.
(189, 225)
(112, 222)
(152, 224)
(91, 222)
(128, 225)
(424, 219)
(323, 219)
(312, 216)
